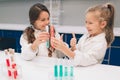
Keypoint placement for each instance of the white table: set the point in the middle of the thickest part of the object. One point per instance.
(41, 68)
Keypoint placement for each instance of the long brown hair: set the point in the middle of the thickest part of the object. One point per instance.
(106, 14)
(34, 12)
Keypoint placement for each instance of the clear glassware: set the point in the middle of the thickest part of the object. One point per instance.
(12, 73)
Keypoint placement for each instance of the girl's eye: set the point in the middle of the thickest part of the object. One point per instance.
(48, 18)
(88, 22)
(43, 20)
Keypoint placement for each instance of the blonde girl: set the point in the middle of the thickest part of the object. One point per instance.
(91, 47)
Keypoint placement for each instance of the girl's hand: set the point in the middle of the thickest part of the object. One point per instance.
(61, 37)
(58, 44)
(43, 37)
(73, 42)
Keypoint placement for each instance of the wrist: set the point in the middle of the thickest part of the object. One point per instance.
(33, 47)
(68, 52)
(73, 48)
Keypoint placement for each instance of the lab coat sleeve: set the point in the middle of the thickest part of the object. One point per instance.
(26, 52)
(93, 56)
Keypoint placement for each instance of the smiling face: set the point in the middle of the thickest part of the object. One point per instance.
(93, 24)
(42, 21)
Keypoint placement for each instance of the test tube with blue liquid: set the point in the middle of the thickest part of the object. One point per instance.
(60, 72)
(71, 73)
(55, 72)
(65, 73)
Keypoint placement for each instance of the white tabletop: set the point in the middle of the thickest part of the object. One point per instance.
(41, 68)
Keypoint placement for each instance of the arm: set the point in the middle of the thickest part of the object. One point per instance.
(26, 51)
(91, 52)
(29, 50)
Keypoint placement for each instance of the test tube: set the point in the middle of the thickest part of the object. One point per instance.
(52, 34)
(13, 64)
(60, 72)
(48, 41)
(71, 73)
(7, 58)
(8, 63)
(55, 72)
(65, 73)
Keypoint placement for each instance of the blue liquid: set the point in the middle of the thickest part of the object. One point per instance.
(48, 44)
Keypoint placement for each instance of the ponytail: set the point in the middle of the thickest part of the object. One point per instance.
(29, 31)
(110, 24)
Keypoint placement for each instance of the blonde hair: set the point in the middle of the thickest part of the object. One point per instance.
(106, 14)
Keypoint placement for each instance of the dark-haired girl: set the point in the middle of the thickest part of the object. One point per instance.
(34, 39)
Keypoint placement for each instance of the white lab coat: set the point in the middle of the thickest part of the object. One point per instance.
(90, 50)
(28, 54)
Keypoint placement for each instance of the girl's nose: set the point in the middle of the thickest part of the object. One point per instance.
(47, 22)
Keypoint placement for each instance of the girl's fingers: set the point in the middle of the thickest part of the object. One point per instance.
(73, 34)
(73, 42)
(55, 41)
(61, 37)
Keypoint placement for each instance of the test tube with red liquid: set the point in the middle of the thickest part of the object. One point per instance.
(52, 34)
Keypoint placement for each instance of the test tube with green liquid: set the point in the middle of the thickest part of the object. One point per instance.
(48, 41)
(55, 71)
(60, 72)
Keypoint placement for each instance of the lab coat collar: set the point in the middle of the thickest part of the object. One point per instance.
(37, 30)
(101, 34)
